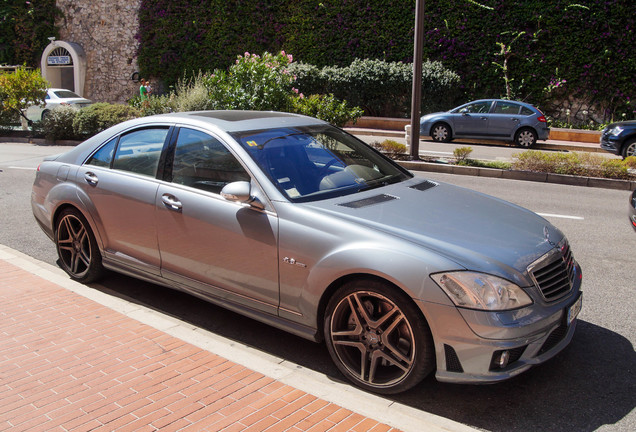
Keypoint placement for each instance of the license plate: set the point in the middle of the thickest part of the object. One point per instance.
(574, 310)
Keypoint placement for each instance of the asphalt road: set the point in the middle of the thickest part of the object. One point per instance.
(590, 386)
(482, 151)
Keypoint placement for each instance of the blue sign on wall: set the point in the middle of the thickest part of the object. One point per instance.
(59, 60)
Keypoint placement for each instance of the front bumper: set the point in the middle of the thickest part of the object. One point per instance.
(611, 143)
(469, 344)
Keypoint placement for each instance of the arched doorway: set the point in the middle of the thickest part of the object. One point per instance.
(64, 66)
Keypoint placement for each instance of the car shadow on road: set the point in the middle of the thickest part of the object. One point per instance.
(589, 385)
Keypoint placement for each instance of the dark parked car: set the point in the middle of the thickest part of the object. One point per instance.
(620, 138)
(632, 209)
(495, 119)
(298, 224)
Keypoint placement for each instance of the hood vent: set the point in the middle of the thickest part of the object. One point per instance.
(426, 184)
(378, 199)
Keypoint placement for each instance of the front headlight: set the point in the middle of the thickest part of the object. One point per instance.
(616, 130)
(481, 291)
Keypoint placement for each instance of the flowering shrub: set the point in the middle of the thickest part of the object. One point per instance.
(253, 82)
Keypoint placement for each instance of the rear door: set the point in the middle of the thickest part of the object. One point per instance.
(505, 119)
(119, 185)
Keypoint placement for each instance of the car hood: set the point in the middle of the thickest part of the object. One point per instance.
(432, 115)
(477, 231)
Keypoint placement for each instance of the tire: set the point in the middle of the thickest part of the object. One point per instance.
(441, 132)
(525, 138)
(377, 337)
(45, 114)
(77, 248)
(629, 149)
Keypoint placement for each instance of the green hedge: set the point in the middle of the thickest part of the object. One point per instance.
(582, 49)
(381, 88)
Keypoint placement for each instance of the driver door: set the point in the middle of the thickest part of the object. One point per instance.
(214, 247)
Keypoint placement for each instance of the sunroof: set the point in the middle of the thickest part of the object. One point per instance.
(240, 115)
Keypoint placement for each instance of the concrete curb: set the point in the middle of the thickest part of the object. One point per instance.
(520, 175)
(397, 415)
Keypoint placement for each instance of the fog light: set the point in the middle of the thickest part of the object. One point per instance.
(504, 357)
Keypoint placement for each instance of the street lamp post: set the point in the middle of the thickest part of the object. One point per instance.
(416, 97)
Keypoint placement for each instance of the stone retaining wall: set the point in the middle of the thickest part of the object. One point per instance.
(106, 31)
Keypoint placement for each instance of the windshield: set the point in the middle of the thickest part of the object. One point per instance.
(310, 163)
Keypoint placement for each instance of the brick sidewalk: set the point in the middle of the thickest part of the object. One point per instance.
(69, 363)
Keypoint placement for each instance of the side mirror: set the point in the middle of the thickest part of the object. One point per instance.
(240, 191)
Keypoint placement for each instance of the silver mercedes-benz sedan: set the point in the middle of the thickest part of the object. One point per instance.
(298, 224)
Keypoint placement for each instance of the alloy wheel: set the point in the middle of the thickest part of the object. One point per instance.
(74, 246)
(373, 339)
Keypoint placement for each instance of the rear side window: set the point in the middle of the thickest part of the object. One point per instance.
(104, 156)
(139, 151)
(507, 108)
(526, 111)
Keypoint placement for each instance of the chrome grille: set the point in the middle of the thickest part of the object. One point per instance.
(554, 274)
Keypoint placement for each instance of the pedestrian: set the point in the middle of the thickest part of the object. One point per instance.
(143, 91)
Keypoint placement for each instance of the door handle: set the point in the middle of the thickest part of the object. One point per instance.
(91, 178)
(171, 202)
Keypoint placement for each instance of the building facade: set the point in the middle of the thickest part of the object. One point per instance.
(96, 54)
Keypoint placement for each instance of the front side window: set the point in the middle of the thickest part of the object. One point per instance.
(310, 163)
(139, 151)
(203, 162)
(475, 108)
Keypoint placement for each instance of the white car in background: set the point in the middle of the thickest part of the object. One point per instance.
(54, 98)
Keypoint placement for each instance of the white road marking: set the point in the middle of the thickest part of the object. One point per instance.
(560, 216)
(23, 168)
(435, 152)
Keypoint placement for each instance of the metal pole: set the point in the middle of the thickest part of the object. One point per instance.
(416, 98)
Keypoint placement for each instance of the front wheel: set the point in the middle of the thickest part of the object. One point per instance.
(77, 248)
(526, 138)
(629, 149)
(377, 337)
(441, 132)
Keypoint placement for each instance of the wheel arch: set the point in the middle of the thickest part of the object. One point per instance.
(444, 122)
(629, 140)
(68, 205)
(525, 127)
(341, 281)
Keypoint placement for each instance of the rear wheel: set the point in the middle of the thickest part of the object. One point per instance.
(629, 149)
(77, 247)
(377, 337)
(526, 138)
(441, 132)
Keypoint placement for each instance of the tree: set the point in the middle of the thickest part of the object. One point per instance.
(20, 89)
